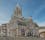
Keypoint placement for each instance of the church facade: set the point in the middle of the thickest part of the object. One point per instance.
(20, 26)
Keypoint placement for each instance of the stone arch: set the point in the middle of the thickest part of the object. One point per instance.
(42, 34)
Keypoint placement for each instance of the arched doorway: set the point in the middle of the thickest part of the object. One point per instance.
(22, 32)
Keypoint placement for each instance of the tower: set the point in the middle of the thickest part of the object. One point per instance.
(18, 11)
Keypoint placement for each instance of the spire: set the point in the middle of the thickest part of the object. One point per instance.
(18, 10)
(18, 6)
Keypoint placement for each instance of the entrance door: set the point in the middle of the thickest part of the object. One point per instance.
(22, 32)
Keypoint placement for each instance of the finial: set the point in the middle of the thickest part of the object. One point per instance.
(17, 5)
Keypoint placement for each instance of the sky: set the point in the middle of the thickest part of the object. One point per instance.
(34, 8)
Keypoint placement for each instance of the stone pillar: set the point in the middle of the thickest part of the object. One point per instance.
(17, 32)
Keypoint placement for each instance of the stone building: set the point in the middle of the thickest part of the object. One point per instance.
(4, 30)
(21, 26)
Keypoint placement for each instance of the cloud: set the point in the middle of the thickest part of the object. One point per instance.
(41, 24)
(37, 11)
(3, 22)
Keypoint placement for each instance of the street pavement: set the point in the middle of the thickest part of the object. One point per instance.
(21, 38)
